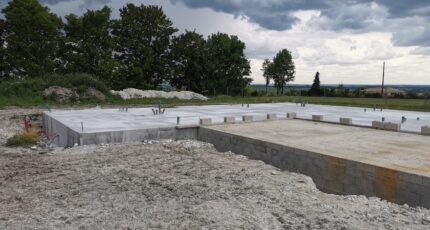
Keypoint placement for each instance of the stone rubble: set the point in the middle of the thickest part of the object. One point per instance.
(131, 93)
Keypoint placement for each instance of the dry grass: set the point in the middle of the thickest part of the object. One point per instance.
(23, 139)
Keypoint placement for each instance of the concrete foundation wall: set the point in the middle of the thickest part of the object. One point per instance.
(139, 135)
(330, 174)
(66, 136)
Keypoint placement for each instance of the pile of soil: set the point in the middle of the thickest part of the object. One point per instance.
(94, 93)
(60, 94)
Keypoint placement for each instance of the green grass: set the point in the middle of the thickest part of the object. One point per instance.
(391, 103)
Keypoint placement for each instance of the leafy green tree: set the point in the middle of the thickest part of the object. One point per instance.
(315, 89)
(187, 56)
(88, 45)
(3, 60)
(142, 37)
(268, 71)
(227, 64)
(284, 69)
(33, 38)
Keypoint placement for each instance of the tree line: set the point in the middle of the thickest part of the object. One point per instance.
(141, 49)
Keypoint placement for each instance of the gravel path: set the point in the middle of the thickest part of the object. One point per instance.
(175, 185)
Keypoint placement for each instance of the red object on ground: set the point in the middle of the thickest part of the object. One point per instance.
(26, 124)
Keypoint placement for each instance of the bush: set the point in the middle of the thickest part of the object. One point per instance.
(25, 139)
(255, 93)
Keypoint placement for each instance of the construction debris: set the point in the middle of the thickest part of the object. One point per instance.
(131, 93)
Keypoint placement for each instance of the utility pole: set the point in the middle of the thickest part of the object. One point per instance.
(383, 80)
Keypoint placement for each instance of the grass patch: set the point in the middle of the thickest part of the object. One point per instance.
(24, 139)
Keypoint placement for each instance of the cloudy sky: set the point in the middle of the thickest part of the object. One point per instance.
(345, 40)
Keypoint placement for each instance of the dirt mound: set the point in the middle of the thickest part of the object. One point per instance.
(131, 93)
(94, 93)
(60, 94)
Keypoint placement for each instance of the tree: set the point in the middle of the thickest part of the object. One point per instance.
(315, 89)
(142, 37)
(4, 67)
(88, 45)
(284, 69)
(268, 71)
(33, 38)
(187, 56)
(227, 64)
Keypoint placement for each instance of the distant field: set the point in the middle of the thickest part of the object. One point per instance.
(401, 104)
(406, 88)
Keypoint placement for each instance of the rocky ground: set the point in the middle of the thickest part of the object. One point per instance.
(172, 185)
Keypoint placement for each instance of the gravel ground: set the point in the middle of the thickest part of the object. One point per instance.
(174, 185)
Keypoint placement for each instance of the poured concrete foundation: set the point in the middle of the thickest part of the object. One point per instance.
(340, 159)
(100, 120)
(67, 137)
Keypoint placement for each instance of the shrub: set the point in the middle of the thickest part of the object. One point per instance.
(24, 139)
(255, 93)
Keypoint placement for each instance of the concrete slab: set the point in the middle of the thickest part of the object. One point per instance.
(229, 120)
(247, 118)
(291, 115)
(378, 124)
(205, 121)
(317, 118)
(100, 120)
(271, 116)
(345, 121)
(425, 130)
(399, 151)
(392, 126)
(70, 124)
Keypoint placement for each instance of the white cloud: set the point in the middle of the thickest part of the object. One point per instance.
(319, 40)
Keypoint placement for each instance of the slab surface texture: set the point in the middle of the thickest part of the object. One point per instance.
(102, 120)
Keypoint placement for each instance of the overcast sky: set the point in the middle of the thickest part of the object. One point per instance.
(345, 40)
